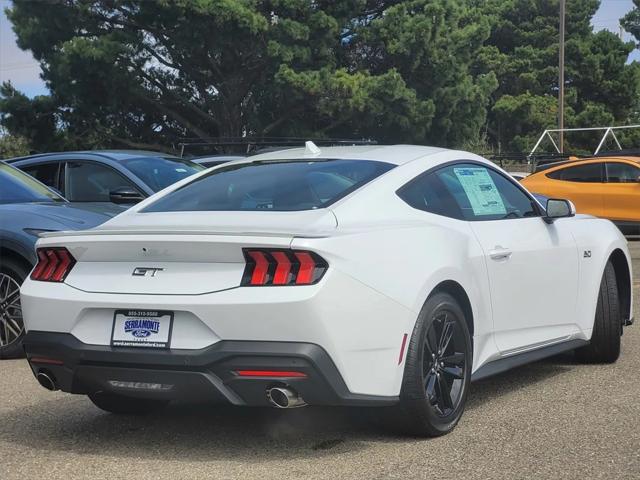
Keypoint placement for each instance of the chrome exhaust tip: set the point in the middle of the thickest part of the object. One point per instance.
(47, 381)
(284, 397)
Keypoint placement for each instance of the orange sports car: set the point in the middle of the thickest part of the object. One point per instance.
(606, 187)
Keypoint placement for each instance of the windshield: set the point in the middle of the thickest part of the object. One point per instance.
(160, 172)
(272, 186)
(18, 187)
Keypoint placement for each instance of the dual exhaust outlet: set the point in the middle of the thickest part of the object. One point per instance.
(284, 397)
(280, 397)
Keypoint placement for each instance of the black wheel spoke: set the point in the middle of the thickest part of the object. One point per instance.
(455, 372)
(455, 359)
(432, 341)
(445, 393)
(446, 335)
(431, 387)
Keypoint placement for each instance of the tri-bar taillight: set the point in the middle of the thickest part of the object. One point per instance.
(54, 263)
(267, 267)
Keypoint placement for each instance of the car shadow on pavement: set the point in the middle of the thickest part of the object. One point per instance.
(525, 376)
(206, 432)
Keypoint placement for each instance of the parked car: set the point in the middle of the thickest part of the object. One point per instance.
(123, 177)
(607, 187)
(215, 160)
(27, 209)
(378, 275)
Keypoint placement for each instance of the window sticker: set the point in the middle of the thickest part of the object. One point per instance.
(481, 191)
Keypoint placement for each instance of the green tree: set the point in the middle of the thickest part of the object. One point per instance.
(522, 50)
(145, 73)
(34, 120)
(631, 21)
(432, 45)
(13, 146)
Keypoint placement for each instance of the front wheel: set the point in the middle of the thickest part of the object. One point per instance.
(607, 325)
(437, 369)
(120, 404)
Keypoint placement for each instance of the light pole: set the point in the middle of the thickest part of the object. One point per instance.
(561, 77)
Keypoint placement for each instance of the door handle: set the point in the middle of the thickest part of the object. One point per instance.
(500, 253)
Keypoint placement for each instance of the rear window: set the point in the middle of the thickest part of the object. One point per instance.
(279, 186)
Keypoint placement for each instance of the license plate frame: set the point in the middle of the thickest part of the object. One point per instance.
(142, 335)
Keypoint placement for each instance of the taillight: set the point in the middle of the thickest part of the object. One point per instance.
(282, 267)
(54, 263)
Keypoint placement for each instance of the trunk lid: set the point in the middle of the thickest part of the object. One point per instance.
(178, 254)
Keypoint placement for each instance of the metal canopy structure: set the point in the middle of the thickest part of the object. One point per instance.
(248, 145)
(608, 131)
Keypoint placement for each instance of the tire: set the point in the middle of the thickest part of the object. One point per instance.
(12, 274)
(607, 326)
(120, 404)
(436, 383)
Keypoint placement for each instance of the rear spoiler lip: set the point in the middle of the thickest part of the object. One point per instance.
(220, 233)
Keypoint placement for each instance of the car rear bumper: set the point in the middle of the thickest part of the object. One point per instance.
(358, 327)
(207, 374)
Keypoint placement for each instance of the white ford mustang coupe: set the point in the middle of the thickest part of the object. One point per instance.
(363, 276)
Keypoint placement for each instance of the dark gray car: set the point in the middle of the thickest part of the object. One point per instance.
(122, 176)
(28, 208)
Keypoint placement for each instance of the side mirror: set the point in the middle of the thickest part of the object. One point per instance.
(558, 208)
(125, 195)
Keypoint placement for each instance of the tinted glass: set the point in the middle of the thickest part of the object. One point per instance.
(18, 187)
(622, 173)
(589, 173)
(429, 193)
(160, 172)
(272, 186)
(469, 192)
(47, 173)
(92, 182)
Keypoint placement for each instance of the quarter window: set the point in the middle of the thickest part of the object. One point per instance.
(468, 192)
(92, 182)
(587, 173)
(618, 172)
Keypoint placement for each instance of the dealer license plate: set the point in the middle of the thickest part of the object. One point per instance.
(142, 328)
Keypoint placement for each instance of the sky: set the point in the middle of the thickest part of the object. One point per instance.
(24, 72)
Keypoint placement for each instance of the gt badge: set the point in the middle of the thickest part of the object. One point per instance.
(146, 271)
(587, 254)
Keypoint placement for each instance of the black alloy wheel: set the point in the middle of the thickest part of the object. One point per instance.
(437, 369)
(444, 361)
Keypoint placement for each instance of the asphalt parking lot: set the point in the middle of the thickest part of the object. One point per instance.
(553, 419)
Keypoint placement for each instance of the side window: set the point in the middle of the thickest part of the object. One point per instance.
(517, 203)
(429, 193)
(618, 172)
(468, 192)
(47, 173)
(92, 182)
(588, 173)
